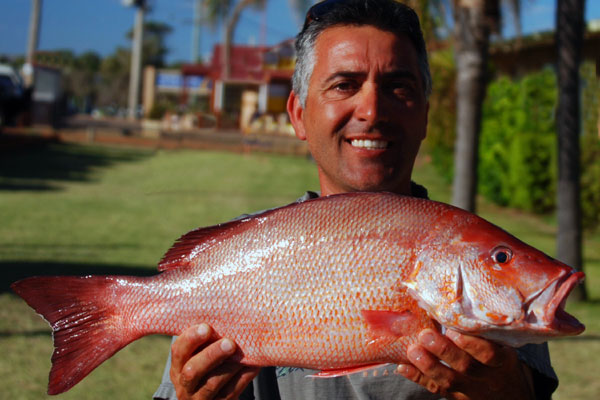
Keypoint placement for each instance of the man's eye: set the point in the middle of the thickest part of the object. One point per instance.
(345, 86)
(402, 90)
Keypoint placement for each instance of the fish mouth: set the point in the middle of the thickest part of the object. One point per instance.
(563, 321)
(549, 306)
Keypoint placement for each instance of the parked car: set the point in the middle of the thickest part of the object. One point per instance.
(12, 95)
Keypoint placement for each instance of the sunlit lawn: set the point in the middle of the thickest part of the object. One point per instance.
(68, 209)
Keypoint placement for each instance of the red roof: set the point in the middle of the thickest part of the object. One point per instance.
(278, 75)
(247, 64)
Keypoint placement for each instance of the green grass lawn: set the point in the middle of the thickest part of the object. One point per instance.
(70, 209)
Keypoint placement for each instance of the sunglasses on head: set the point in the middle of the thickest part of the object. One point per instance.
(316, 12)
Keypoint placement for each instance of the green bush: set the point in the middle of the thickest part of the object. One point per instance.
(442, 113)
(518, 145)
(590, 154)
(531, 172)
(157, 111)
(590, 183)
(517, 166)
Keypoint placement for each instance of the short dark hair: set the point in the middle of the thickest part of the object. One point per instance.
(387, 15)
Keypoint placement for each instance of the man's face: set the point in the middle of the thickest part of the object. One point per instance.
(366, 111)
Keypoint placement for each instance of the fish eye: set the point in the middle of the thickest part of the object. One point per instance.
(501, 255)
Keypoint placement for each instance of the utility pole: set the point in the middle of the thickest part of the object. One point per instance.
(136, 56)
(32, 42)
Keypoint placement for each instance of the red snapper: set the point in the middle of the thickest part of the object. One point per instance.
(336, 284)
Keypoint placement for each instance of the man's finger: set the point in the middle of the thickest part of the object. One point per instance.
(434, 376)
(410, 372)
(206, 366)
(447, 351)
(484, 351)
(187, 344)
(234, 388)
(211, 385)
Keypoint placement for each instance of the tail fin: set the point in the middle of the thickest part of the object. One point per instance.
(86, 326)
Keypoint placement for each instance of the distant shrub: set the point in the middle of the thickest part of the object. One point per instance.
(590, 154)
(158, 111)
(442, 113)
(517, 166)
(518, 145)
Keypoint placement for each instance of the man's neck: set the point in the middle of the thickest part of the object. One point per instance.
(326, 190)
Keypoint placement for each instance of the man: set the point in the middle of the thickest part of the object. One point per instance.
(360, 101)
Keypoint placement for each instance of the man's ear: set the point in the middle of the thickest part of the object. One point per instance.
(295, 111)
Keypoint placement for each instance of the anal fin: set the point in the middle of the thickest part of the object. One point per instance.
(333, 373)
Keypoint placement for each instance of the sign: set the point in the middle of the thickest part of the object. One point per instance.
(176, 81)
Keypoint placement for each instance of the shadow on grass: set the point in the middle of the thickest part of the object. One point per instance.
(12, 271)
(36, 163)
(37, 332)
(580, 338)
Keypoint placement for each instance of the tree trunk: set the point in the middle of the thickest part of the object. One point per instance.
(136, 63)
(228, 36)
(471, 34)
(32, 40)
(569, 40)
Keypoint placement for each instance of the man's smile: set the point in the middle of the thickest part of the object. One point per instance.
(370, 144)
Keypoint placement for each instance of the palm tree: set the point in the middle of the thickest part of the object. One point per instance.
(230, 11)
(569, 40)
(474, 22)
(230, 26)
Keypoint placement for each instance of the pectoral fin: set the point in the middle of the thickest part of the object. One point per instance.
(392, 323)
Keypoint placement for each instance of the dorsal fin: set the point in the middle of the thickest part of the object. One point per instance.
(186, 247)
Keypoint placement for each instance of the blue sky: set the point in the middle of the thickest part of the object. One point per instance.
(101, 25)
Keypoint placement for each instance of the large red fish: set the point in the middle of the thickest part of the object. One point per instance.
(333, 284)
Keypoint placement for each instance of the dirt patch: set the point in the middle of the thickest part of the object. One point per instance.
(223, 140)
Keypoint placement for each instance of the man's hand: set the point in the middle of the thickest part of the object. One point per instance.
(200, 369)
(475, 368)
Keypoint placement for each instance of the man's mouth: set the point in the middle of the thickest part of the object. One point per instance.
(370, 144)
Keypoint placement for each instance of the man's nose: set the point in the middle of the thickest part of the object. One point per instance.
(370, 105)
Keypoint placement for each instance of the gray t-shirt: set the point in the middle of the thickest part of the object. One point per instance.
(285, 383)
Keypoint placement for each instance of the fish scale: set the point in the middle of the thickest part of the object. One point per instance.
(336, 284)
(327, 280)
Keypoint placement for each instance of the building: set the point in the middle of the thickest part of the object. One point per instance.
(259, 83)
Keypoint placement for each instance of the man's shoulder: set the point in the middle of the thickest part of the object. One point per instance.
(419, 191)
(306, 196)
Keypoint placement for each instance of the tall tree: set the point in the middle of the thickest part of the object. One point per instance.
(230, 26)
(474, 22)
(230, 11)
(432, 15)
(569, 40)
(114, 75)
(154, 48)
(32, 42)
(82, 80)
